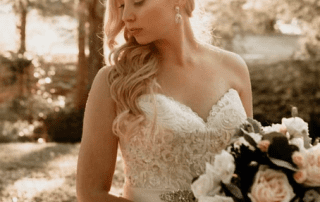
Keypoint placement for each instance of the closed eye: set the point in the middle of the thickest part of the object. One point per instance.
(139, 3)
(135, 3)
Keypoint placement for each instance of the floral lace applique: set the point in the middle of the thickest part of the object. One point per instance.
(175, 156)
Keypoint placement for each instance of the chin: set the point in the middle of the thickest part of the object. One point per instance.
(143, 41)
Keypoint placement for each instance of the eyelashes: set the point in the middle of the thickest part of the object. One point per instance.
(139, 3)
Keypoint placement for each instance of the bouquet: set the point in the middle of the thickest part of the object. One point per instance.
(264, 164)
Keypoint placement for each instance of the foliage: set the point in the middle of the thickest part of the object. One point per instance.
(49, 8)
(17, 64)
(279, 86)
(50, 91)
(308, 12)
(261, 16)
(227, 18)
(19, 131)
(65, 125)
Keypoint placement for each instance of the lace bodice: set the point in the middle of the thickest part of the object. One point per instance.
(172, 158)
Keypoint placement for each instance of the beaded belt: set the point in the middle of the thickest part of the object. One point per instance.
(178, 196)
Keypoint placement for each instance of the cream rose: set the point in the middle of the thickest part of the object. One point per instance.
(299, 159)
(215, 198)
(299, 142)
(300, 176)
(280, 128)
(296, 125)
(223, 166)
(222, 169)
(312, 167)
(202, 186)
(263, 145)
(271, 185)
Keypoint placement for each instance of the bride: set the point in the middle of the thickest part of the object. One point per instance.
(170, 101)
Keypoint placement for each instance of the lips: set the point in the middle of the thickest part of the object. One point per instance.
(135, 31)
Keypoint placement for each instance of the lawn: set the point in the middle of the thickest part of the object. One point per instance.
(33, 172)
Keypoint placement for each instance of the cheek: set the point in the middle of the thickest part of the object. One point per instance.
(156, 18)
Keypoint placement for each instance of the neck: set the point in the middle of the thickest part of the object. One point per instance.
(180, 49)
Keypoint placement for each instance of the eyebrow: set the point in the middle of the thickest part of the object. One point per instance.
(119, 1)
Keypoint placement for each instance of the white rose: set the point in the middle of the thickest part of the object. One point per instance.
(273, 128)
(224, 166)
(298, 128)
(299, 143)
(296, 125)
(205, 185)
(215, 198)
(279, 128)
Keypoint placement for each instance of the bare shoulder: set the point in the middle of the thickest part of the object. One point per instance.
(229, 60)
(103, 72)
(100, 82)
(237, 73)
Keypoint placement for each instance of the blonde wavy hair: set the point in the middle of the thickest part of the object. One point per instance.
(133, 66)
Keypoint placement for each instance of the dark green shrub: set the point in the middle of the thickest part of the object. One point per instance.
(278, 86)
(65, 125)
(5, 139)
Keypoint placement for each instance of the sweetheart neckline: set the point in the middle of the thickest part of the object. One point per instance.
(205, 122)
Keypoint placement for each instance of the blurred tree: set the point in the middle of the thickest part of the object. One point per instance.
(21, 10)
(90, 14)
(21, 67)
(95, 38)
(261, 15)
(228, 18)
(308, 13)
(82, 71)
(50, 8)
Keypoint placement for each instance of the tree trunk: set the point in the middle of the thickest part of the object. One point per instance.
(81, 91)
(95, 18)
(21, 7)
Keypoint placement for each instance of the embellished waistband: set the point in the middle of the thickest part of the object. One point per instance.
(178, 196)
(157, 195)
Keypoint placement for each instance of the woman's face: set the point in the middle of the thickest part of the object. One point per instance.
(148, 20)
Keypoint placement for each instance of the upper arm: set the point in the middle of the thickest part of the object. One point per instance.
(245, 87)
(98, 151)
(242, 82)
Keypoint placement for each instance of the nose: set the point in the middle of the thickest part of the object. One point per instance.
(128, 15)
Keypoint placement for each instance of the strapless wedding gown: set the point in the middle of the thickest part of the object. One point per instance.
(170, 160)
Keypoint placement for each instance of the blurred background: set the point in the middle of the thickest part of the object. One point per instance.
(52, 49)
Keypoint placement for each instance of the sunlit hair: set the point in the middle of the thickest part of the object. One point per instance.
(134, 66)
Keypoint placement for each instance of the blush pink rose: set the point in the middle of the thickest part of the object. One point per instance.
(270, 186)
(283, 129)
(300, 176)
(313, 168)
(299, 159)
(263, 145)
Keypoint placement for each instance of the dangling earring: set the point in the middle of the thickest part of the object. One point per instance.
(178, 15)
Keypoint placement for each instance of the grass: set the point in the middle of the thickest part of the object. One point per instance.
(32, 172)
